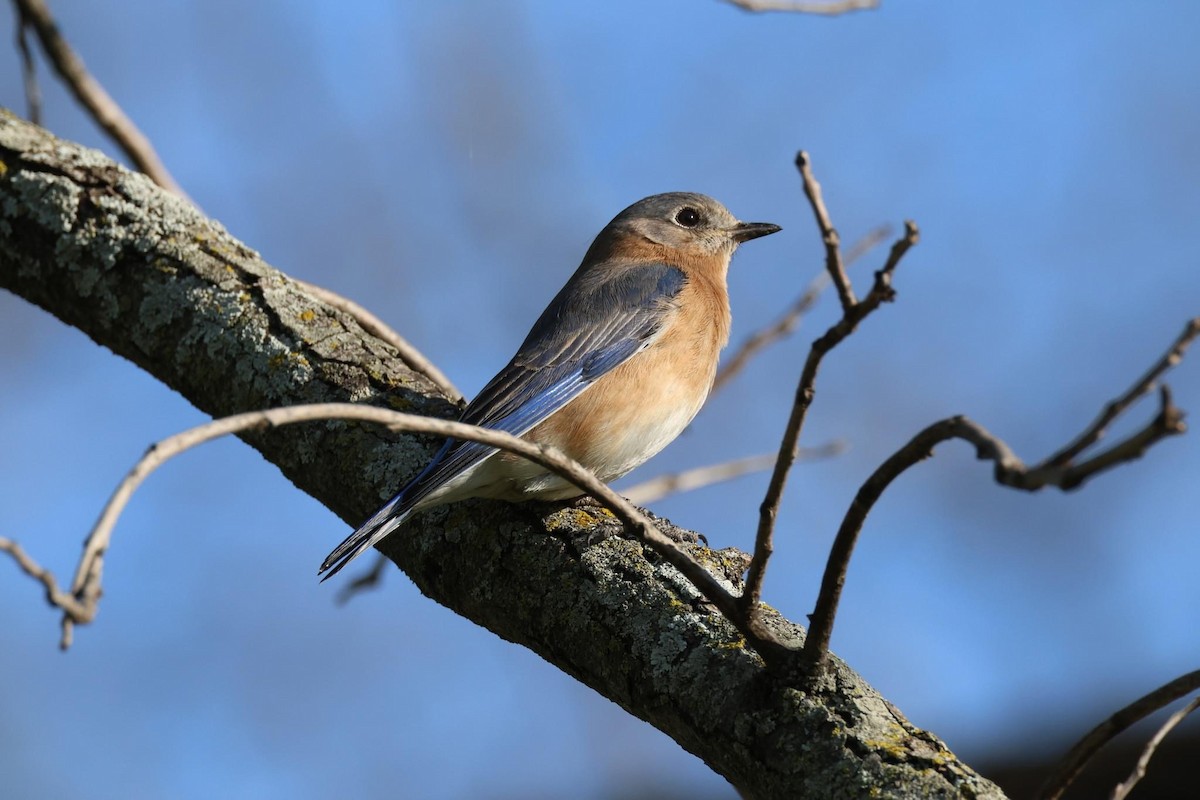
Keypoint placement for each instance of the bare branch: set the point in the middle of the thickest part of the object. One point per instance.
(1144, 385)
(109, 116)
(93, 97)
(33, 92)
(1009, 471)
(829, 9)
(790, 320)
(413, 358)
(883, 286)
(1122, 790)
(657, 488)
(1074, 761)
(853, 312)
(86, 589)
(829, 234)
(54, 596)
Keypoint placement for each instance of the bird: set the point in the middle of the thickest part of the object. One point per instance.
(613, 370)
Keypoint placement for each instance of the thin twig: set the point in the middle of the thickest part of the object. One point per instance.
(791, 319)
(1009, 471)
(1097, 429)
(1122, 790)
(649, 491)
(86, 586)
(411, 356)
(830, 9)
(1102, 734)
(88, 91)
(33, 92)
(853, 312)
(54, 596)
(829, 234)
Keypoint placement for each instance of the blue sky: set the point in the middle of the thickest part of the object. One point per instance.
(447, 165)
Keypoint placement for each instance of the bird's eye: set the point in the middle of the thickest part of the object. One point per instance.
(688, 217)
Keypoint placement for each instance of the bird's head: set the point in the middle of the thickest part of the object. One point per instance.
(694, 225)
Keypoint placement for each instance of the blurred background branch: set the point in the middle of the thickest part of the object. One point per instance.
(832, 8)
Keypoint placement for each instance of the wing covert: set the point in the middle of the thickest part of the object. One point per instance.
(589, 329)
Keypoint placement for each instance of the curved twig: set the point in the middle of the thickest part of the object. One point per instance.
(1114, 409)
(86, 587)
(1009, 471)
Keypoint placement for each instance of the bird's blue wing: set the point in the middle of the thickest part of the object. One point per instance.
(600, 319)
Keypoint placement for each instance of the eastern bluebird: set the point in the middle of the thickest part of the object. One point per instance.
(614, 369)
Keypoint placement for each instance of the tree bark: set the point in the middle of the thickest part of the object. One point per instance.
(146, 275)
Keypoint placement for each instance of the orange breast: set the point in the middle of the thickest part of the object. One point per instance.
(637, 409)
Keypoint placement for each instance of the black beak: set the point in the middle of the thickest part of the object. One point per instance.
(745, 231)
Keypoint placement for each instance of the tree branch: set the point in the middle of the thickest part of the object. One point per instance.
(853, 312)
(656, 488)
(149, 277)
(413, 358)
(790, 320)
(111, 118)
(33, 92)
(828, 9)
(91, 95)
(1122, 789)
(1094, 432)
(1106, 731)
(829, 234)
(85, 591)
(1009, 471)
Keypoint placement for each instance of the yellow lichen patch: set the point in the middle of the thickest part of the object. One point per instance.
(900, 745)
(286, 359)
(728, 561)
(308, 315)
(3, 169)
(895, 749)
(570, 518)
